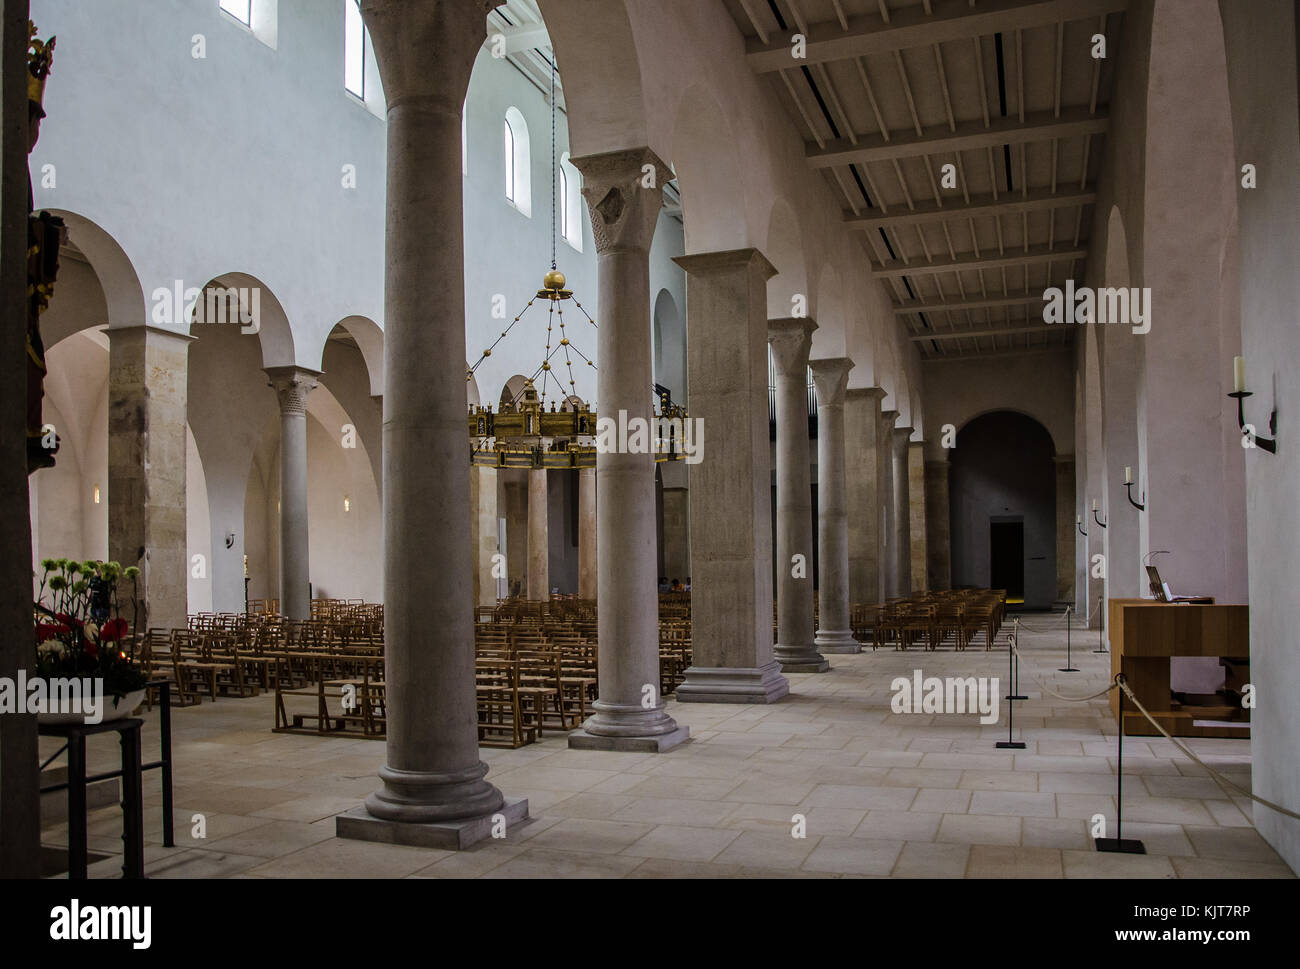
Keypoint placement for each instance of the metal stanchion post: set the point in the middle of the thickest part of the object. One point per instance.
(1068, 667)
(1013, 683)
(1101, 625)
(1120, 844)
(1010, 744)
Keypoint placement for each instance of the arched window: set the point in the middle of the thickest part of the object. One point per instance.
(241, 10)
(356, 39)
(570, 203)
(519, 192)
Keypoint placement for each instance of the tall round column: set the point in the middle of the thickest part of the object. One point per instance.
(588, 582)
(539, 536)
(791, 339)
(623, 192)
(435, 790)
(834, 634)
(292, 385)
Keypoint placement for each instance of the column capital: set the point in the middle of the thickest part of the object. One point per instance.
(713, 263)
(889, 418)
(426, 49)
(139, 331)
(623, 210)
(903, 433)
(865, 393)
(791, 340)
(291, 386)
(831, 377)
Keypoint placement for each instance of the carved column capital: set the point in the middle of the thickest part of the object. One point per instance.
(425, 49)
(831, 377)
(624, 191)
(791, 341)
(291, 386)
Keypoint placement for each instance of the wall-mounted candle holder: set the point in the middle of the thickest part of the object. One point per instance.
(1078, 522)
(1094, 514)
(1240, 393)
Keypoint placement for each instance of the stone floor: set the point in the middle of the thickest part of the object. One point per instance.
(883, 794)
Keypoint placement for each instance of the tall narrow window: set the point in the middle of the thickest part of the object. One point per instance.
(519, 191)
(570, 203)
(241, 10)
(355, 49)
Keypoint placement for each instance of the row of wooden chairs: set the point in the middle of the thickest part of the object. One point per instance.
(932, 620)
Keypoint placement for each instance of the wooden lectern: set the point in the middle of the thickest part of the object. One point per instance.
(1144, 634)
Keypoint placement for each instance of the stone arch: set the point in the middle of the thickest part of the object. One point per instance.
(370, 341)
(596, 51)
(670, 345)
(111, 293)
(709, 174)
(784, 249)
(511, 392)
(252, 300)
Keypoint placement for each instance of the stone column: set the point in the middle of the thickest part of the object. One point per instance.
(938, 541)
(916, 522)
(1065, 531)
(834, 634)
(148, 378)
(902, 514)
(677, 520)
(435, 790)
(292, 385)
(885, 472)
(539, 536)
(730, 489)
(587, 570)
(516, 494)
(791, 339)
(484, 526)
(861, 453)
(630, 712)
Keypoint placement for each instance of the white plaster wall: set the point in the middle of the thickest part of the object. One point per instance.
(1261, 48)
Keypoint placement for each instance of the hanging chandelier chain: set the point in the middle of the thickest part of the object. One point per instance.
(554, 173)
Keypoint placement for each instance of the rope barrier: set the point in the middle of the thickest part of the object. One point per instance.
(1068, 615)
(1050, 692)
(1219, 778)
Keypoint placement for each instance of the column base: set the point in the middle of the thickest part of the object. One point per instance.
(836, 641)
(703, 684)
(582, 740)
(801, 659)
(457, 835)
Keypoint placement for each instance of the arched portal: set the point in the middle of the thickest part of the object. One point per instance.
(1002, 507)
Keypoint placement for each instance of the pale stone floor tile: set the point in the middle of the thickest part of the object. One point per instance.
(1055, 833)
(339, 858)
(313, 807)
(545, 863)
(593, 836)
(1231, 844)
(1090, 863)
(768, 851)
(854, 856)
(834, 821)
(999, 780)
(661, 785)
(1013, 803)
(929, 800)
(474, 862)
(1235, 813)
(680, 811)
(864, 798)
(1001, 861)
(773, 790)
(979, 829)
(198, 863)
(764, 817)
(682, 843)
(922, 777)
(1167, 810)
(589, 804)
(1053, 782)
(899, 825)
(274, 838)
(1162, 785)
(1084, 806)
(921, 860)
(1224, 868)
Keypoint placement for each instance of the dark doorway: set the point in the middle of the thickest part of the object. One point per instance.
(1007, 558)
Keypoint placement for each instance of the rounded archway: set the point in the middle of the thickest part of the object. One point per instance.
(1002, 508)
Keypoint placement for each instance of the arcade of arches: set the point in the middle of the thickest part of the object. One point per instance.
(837, 269)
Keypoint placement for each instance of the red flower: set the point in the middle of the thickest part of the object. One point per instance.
(113, 630)
(46, 631)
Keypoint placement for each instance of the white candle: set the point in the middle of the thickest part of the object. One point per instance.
(1239, 374)
(1128, 475)
(1078, 519)
(1094, 504)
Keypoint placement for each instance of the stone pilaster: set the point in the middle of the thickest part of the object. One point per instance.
(484, 527)
(588, 581)
(630, 712)
(677, 520)
(862, 453)
(917, 525)
(791, 340)
(834, 634)
(292, 385)
(938, 540)
(1065, 530)
(902, 513)
(435, 790)
(539, 536)
(147, 421)
(515, 488)
(888, 522)
(730, 490)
